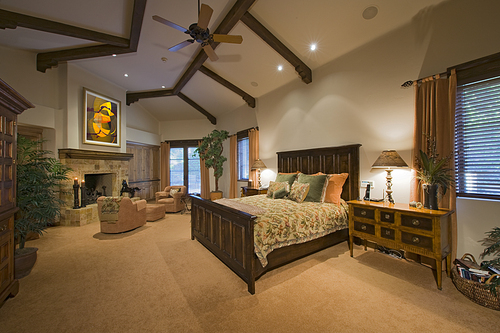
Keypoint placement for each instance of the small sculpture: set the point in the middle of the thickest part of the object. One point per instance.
(126, 188)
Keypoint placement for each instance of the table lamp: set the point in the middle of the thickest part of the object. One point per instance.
(389, 159)
(257, 165)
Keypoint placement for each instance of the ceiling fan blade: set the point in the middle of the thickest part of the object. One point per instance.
(205, 15)
(237, 39)
(179, 46)
(170, 24)
(210, 52)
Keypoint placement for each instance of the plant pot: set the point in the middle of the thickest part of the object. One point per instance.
(24, 260)
(214, 195)
(431, 196)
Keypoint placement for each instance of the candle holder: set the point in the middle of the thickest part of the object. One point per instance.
(75, 190)
(84, 195)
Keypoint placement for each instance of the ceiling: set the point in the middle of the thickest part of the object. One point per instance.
(336, 26)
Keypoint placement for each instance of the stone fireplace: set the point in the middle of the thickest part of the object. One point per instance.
(98, 169)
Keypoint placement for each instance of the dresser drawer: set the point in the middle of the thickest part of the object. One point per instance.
(387, 217)
(367, 213)
(367, 228)
(387, 233)
(416, 222)
(417, 240)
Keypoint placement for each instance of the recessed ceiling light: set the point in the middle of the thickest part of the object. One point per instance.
(370, 12)
(126, 75)
(313, 47)
(114, 55)
(280, 68)
(253, 83)
(164, 59)
(163, 87)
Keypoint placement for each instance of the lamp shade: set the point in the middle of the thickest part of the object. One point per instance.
(258, 164)
(389, 158)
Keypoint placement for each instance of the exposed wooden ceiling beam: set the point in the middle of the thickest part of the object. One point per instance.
(301, 68)
(135, 96)
(246, 97)
(13, 20)
(234, 15)
(209, 116)
(47, 60)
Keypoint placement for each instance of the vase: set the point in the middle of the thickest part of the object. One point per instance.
(24, 260)
(431, 196)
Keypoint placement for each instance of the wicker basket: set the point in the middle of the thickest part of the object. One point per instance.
(476, 291)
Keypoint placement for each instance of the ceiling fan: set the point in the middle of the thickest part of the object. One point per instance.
(199, 32)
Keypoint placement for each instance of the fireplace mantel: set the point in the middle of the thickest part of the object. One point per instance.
(93, 155)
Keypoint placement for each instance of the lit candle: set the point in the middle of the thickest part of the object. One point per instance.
(76, 181)
(83, 183)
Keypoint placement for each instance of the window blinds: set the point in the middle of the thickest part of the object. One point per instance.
(477, 139)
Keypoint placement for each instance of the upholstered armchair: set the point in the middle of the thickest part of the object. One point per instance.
(119, 214)
(172, 197)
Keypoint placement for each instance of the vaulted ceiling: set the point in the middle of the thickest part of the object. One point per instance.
(185, 85)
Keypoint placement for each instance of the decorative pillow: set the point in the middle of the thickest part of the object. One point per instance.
(334, 188)
(317, 185)
(284, 177)
(280, 194)
(173, 191)
(275, 186)
(298, 192)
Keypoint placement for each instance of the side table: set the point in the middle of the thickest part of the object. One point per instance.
(248, 191)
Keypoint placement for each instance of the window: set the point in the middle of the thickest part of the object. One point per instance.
(243, 156)
(477, 135)
(185, 166)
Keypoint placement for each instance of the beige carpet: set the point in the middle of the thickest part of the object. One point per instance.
(156, 279)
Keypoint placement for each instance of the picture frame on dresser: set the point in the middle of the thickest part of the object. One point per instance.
(101, 120)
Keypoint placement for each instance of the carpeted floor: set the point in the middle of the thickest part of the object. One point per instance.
(156, 279)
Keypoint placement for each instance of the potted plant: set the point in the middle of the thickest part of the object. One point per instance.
(433, 173)
(38, 183)
(210, 151)
(492, 243)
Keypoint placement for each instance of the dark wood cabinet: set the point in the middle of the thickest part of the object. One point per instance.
(248, 191)
(11, 104)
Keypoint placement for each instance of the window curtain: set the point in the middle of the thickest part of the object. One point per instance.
(204, 178)
(165, 165)
(435, 100)
(253, 147)
(233, 163)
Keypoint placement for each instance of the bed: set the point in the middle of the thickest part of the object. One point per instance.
(229, 233)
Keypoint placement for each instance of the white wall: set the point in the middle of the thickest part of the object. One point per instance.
(358, 99)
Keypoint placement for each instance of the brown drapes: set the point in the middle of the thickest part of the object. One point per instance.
(233, 166)
(204, 178)
(435, 117)
(164, 165)
(253, 147)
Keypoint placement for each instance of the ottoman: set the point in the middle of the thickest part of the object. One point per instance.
(154, 212)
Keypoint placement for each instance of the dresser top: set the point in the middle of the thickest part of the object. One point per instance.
(401, 207)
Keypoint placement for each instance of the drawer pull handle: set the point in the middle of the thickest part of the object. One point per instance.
(387, 232)
(363, 212)
(387, 216)
(415, 222)
(2, 228)
(363, 227)
(415, 239)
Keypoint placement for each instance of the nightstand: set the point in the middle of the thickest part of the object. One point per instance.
(401, 227)
(248, 191)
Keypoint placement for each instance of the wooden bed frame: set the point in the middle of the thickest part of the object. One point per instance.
(229, 233)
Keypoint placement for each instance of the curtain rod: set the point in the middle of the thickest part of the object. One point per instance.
(409, 83)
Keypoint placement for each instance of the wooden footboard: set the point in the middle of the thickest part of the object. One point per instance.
(228, 234)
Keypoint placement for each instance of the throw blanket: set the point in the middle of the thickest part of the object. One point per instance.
(110, 208)
(252, 210)
(286, 222)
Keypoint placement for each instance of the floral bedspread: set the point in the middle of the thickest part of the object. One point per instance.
(287, 222)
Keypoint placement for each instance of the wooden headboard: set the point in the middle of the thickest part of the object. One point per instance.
(327, 160)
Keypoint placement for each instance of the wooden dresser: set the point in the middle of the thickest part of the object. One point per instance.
(400, 227)
(11, 104)
(248, 191)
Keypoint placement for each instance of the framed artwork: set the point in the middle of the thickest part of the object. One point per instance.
(102, 116)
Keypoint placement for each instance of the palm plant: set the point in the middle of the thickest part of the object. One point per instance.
(492, 241)
(39, 179)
